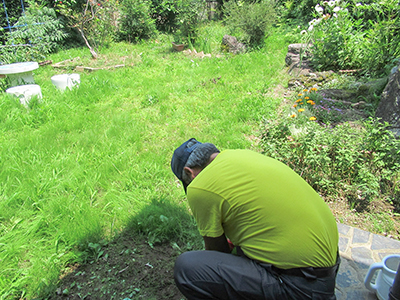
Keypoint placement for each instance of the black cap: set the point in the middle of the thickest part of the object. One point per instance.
(180, 157)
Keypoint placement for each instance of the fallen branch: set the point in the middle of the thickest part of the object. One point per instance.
(124, 269)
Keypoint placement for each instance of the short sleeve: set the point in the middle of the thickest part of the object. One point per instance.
(207, 211)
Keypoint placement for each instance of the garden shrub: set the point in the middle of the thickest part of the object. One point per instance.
(136, 22)
(104, 29)
(14, 11)
(94, 22)
(190, 16)
(336, 39)
(383, 37)
(250, 22)
(165, 14)
(358, 162)
(36, 34)
(353, 35)
(296, 11)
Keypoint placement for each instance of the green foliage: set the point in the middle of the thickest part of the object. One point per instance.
(95, 21)
(298, 11)
(252, 22)
(336, 39)
(189, 18)
(70, 7)
(383, 39)
(14, 11)
(136, 22)
(163, 221)
(352, 35)
(37, 33)
(183, 16)
(105, 26)
(360, 164)
(165, 13)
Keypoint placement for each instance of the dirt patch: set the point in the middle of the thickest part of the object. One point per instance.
(377, 217)
(126, 268)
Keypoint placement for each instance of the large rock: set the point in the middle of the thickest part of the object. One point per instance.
(389, 106)
(298, 59)
(231, 44)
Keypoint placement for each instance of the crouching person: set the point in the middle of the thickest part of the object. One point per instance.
(267, 233)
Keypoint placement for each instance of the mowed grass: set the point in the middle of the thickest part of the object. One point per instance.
(77, 166)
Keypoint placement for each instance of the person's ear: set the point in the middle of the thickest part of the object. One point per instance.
(189, 172)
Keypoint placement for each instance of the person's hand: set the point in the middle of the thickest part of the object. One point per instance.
(231, 245)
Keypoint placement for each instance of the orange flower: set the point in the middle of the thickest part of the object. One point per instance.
(305, 90)
(293, 116)
(299, 100)
(313, 118)
(294, 105)
(300, 109)
(313, 89)
(306, 98)
(310, 101)
(300, 95)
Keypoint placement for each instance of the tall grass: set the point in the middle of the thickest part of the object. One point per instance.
(75, 168)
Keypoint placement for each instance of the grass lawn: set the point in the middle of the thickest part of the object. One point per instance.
(78, 166)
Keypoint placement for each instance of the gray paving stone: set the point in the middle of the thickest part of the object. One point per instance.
(343, 243)
(362, 255)
(360, 236)
(381, 242)
(347, 276)
(343, 229)
(359, 249)
(360, 294)
(362, 267)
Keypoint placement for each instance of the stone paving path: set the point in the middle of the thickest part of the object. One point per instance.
(358, 250)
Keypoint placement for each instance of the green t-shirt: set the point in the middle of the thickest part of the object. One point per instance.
(265, 208)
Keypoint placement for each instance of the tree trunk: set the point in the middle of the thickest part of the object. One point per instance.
(94, 54)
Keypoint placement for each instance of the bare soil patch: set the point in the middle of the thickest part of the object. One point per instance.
(128, 268)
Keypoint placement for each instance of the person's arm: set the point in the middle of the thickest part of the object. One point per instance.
(218, 244)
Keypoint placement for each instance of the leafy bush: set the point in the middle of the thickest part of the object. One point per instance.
(165, 13)
(136, 22)
(91, 21)
(349, 35)
(359, 163)
(190, 17)
(383, 38)
(104, 30)
(14, 11)
(37, 34)
(250, 21)
(336, 38)
(297, 11)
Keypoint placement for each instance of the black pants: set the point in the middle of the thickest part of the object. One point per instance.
(217, 275)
